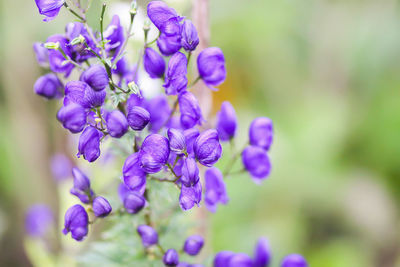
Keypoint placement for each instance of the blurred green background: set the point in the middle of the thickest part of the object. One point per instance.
(326, 72)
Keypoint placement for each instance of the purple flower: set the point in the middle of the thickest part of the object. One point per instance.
(190, 196)
(39, 218)
(56, 59)
(154, 153)
(80, 52)
(76, 221)
(169, 45)
(49, 8)
(261, 132)
(81, 187)
(190, 39)
(222, 258)
(133, 202)
(240, 260)
(153, 63)
(134, 176)
(190, 172)
(256, 162)
(190, 137)
(42, 54)
(215, 189)
(207, 148)
(96, 77)
(60, 166)
(72, 117)
(89, 144)
(117, 124)
(138, 117)
(211, 66)
(164, 18)
(294, 260)
(159, 110)
(115, 35)
(171, 257)
(101, 207)
(175, 79)
(262, 253)
(48, 86)
(177, 142)
(193, 245)
(226, 122)
(148, 235)
(190, 110)
(81, 93)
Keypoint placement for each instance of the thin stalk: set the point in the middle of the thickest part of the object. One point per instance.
(194, 82)
(103, 9)
(74, 13)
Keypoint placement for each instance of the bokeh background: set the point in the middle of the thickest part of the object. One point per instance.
(326, 72)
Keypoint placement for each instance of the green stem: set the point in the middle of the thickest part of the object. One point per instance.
(152, 42)
(103, 9)
(194, 82)
(82, 19)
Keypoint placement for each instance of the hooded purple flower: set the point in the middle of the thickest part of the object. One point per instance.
(154, 153)
(256, 161)
(148, 235)
(164, 18)
(96, 77)
(262, 253)
(171, 257)
(190, 196)
(89, 144)
(138, 117)
(39, 218)
(169, 45)
(125, 72)
(117, 124)
(193, 245)
(226, 122)
(72, 117)
(56, 59)
(134, 176)
(175, 79)
(261, 132)
(48, 86)
(80, 52)
(76, 221)
(211, 66)
(42, 54)
(49, 8)
(222, 258)
(115, 35)
(81, 187)
(190, 137)
(240, 260)
(177, 142)
(190, 110)
(60, 166)
(133, 202)
(190, 172)
(101, 207)
(82, 94)
(190, 39)
(215, 189)
(294, 260)
(159, 110)
(207, 148)
(153, 63)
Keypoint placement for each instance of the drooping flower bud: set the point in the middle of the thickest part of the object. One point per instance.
(42, 54)
(138, 117)
(207, 148)
(226, 122)
(76, 221)
(81, 187)
(261, 132)
(73, 117)
(177, 142)
(190, 196)
(215, 189)
(101, 207)
(211, 66)
(49, 8)
(190, 137)
(256, 161)
(175, 78)
(294, 260)
(117, 124)
(81, 93)
(190, 172)
(240, 259)
(148, 235)
(133, 202)
(190, 110)
(96, 77)
(39, 218)
(169, 45)
(89, 144)
(48, 86)
(164, 18)
(171, 257)
(153, 63)
(134, 176)
(57, 61)
(190, 39)
(262, 253)
(222, 258)
(193, 245)
(154, 153)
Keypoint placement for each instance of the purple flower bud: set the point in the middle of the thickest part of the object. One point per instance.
(171, 257)
(148, 234)
(240, 260)
(261, 132)
(114, 34)
(39, 218)
(117, 124)
(138, 117)
(89, 144)
(81, 187)
(76, 221)
(72, 117)
(190, 137)
(153, 63)
(96, 77)
(133, 202)
(222, 259)
(56, 59)
(159, 110)
(175, 79)
(193, 245)
(262, 253)
(60, 166)
(190, 196)
(164, 17)
(190, 172)
(169, 45)
(215, 189)
(294, 260)
(207, 148)
(42, 54)
(101, 207)
(48, 86)
(134, 176)
(49, 8)
(190, 39)
(226, 122)
(177, 142)
(190, 110)
(81, 93)
(211, 66)
(154, 153)
(256, 161)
